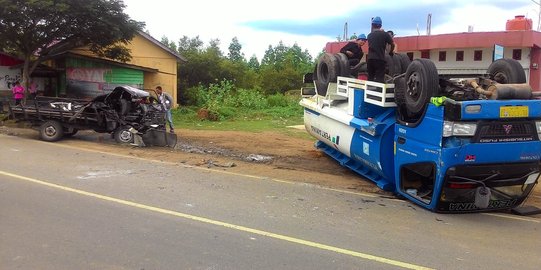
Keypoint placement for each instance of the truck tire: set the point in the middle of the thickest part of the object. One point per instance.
(327, 71)
(422, 83)
(51, 131)
(400, 91)
(392, 65)
(343, 63)
(404, 62)
(507, 71)
(123, 135)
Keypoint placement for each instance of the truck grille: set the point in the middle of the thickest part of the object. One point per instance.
(491, 132)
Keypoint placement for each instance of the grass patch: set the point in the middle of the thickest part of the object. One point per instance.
(242, 120)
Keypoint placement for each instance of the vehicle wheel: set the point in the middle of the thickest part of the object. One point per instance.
(507, 71)
(51, 131)
(400, 91)
(392, 65)
(68, 132)
(404, 62)
(359, 68)
(327, 70)
(123, 135)
(343, 63)
(421, 84)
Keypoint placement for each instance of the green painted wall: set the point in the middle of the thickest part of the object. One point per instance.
(117, 75)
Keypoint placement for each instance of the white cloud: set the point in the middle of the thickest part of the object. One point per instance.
(224, 19)
(492, 18)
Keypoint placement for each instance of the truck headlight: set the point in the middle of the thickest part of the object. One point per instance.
(538, 127)
(458, 129)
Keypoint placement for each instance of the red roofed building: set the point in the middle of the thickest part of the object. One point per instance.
(471, 53)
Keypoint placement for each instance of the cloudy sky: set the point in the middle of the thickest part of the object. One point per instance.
(311, 24)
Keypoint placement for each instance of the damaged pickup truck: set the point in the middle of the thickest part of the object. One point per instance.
(128, 114)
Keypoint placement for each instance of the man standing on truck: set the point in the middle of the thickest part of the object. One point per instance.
(377, 42)
(167, 101)
(354, 51)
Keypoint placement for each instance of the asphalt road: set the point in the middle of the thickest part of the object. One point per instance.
(67, 208)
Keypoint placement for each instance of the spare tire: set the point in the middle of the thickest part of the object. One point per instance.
(507, 71)
(327, 70)
(422, 83)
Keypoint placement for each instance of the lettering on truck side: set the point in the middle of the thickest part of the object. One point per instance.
(471, 206)
(325, 135)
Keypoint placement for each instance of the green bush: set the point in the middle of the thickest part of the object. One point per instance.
(226, 112)
(244, 98)
(224, 101)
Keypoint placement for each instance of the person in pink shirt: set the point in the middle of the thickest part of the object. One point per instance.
(18, 92)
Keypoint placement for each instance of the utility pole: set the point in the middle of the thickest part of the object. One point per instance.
(346, 31)
(429, 24)
(538, 15)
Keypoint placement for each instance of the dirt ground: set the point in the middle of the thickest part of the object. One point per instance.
(267, 154)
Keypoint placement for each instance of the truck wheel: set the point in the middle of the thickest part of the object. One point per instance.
(123, 135)
(51, 131)
(507, 71)
(392, 65)
(404, 62)
(343, 63)
(327, 70)
(400, 91)
(421, 84)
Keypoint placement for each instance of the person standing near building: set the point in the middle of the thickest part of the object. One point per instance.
(167, 101)
(354, 51)
(377, 43)
(33, 89)
(18, 92)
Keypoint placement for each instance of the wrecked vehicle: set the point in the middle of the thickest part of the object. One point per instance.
(450, 144)
(126, 113)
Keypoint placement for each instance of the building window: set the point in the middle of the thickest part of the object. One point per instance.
(459, 56)
(478, 55)
(517, 54)
(442, 56)
(425, 54)
(410, 55)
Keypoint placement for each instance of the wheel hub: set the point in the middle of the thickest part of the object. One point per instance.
(125, 136)
(50, 131)
(413, 86)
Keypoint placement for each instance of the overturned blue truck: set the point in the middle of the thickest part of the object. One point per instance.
(450, 145)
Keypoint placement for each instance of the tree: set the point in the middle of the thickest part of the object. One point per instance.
(170, 44)
(214, 48)
(36, 29)
(253, 63)
(188, 45)
(235, 53)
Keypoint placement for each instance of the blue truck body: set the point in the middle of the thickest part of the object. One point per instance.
(356, 123)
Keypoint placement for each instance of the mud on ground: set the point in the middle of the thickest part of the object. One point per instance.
(265, 154)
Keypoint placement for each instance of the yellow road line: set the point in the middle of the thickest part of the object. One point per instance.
(511, 217)
(265, 178)
(220, 223)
